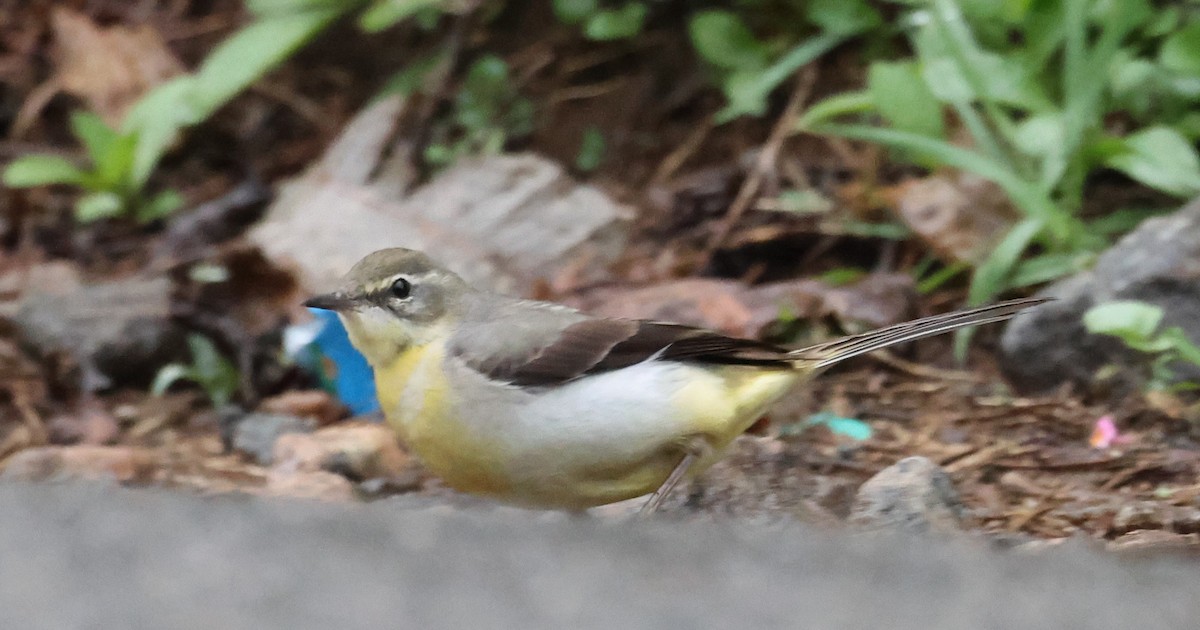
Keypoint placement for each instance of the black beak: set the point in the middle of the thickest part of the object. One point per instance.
(329, 302)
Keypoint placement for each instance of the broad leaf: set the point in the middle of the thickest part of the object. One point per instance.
(1181, 51)
(168, 376)
(240, 60)
(622, 23)
(41, 170)
(97, 206)
(573, 11)
(97, 137)
(722, 39)
(1129, 320)
(904, 99)
(1161, 158)
(384, 14)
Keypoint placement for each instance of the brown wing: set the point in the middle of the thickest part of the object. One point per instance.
(591, 346)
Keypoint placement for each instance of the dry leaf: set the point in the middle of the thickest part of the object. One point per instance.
(110, 68)
(960, 216)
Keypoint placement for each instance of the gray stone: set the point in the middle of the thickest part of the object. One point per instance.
(912, 495)
(502, 221)
(255, 434)
(120, 332)
(1158, 263)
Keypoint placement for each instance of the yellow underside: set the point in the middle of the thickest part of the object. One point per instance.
(423, 418)
(720, 404)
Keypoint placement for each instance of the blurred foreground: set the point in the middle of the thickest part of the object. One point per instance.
(95, 556)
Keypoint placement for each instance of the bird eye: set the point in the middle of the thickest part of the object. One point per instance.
(401, 288)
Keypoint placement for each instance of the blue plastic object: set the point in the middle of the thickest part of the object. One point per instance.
(852, 428)
(340, 368)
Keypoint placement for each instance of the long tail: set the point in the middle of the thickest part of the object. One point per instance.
(826, 354)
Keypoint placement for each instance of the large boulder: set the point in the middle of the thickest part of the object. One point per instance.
(1157, 263)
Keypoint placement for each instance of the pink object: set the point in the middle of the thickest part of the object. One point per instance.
(1105, 434)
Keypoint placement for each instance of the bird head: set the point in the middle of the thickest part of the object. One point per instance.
(394, 299)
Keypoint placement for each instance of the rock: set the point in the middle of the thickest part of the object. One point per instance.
(410, 480)
(501, 221)
(1187, 521)
(91, 424)
(756, 479)
(53, 278)
(123, 329)
(355, 450)
(1142, 515)
(1153, 541)
(314, 404)
(913, 495)
(308, 484)
(1157, 263)
(55, 463)
(256, 434)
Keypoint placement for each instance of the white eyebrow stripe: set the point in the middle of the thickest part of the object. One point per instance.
(412, 278)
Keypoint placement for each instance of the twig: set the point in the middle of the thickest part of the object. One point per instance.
(677, 157)
(766, 160)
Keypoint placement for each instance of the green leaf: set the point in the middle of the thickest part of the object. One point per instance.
(97, 137)
(113, 171)
(747, 91)
(240, 60)
(573, 11)
(168, 376)
(156, 120)
(1043, 136)
(1161, 158)
(992, 277)
(384, 14)
(206, 359)
(836, 106)
(1183, 346)
(161, 206)
(275, 8)
(622, 23)
(995, 274)
(1046, 267)
(1123, 220)
(957, 70)
(1131, 321)
(803, 201)
(97, 206)
(1181, 50)
(842, 276)
(41, 170)
(591, 150)
(935, 280)
(216, 374)
(722, 39)
(903, 99)
(1039, 135)
(846, 17)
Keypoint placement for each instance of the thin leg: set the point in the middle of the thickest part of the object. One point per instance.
(673, 480)
(694, 447)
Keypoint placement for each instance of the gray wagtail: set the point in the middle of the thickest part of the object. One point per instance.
(540, 405)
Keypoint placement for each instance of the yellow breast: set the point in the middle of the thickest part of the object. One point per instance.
(419, 404)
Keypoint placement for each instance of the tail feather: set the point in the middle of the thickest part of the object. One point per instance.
(826, 354)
